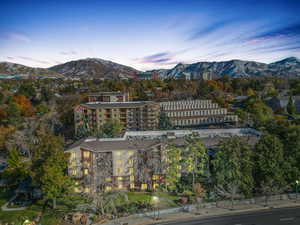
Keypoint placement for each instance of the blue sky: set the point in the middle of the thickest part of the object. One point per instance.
(148, 34)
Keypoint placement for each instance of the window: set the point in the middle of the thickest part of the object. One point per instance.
(76, 189)
(143, 186)
(119, 153)
(131, 170)
(120, 170)
(155, 186)
(108, 188)
(86, 154)
(178, 174)
(131, 178)
(130, 153)
(85, 171)
(120, 178)
(86, 190)
(120, 186)
(119, 162)
(132, 186)
(74, 172)
(155, 177)
(108, 179)
(73, 155)
(130, 162)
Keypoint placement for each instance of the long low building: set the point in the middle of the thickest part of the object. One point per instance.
(134, 162)
(189, 113)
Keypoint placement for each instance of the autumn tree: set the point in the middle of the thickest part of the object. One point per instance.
(24, 104)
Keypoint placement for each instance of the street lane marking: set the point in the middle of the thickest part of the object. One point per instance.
(287, 219)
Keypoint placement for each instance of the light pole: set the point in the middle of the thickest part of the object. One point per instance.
(155, 201)
(297, 183)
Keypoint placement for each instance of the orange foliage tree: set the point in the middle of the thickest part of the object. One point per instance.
(25, 105)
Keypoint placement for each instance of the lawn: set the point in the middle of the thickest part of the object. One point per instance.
(165, 199)
(50, 216)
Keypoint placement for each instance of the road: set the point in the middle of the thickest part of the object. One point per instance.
(278, 216)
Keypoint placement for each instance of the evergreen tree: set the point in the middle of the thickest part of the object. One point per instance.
(173, 167)
(291, 108)
(164, 122)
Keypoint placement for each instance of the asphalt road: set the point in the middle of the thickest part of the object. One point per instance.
(279, 216)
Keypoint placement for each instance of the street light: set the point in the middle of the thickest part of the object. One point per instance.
(297, 183)
(155, 201)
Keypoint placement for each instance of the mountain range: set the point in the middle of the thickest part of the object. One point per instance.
(103, 69)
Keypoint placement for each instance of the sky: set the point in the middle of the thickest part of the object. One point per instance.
(148, 34)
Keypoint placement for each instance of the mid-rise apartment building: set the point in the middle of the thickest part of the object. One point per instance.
(116, 96)
(133, 115)
(137, 160)
(196, 112)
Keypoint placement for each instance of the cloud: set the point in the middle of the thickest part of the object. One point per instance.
(68, 53)
(10, 58)
(279, 33)
(33, 60)
(15, 36)
(162, 58)
(204, 31)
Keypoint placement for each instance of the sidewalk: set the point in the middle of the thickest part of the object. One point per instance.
(203, 212)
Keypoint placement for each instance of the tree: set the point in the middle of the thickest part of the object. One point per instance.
(49, 166)
(27, 90)
(13, 114)
(291, 108)
(110, 129)
(232, 167)
(164, 122)
(173, 167)
(195, 158)
(269, 164)
(18, 169)
(24, 104)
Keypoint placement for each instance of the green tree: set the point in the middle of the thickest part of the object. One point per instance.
(49, 166)
(195, 158)
(269, 164)
(13, 114)
(291, 108)
(232, 167)
(18, 169)
(173, 167)
(164, 122)
(110, 129)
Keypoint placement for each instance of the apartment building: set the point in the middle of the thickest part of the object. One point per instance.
(133, 115)
(137, 160)
(188, 113)
(116, 96)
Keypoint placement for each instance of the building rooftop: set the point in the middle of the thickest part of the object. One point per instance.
(108, 93)
(116, 104)
(133, 140)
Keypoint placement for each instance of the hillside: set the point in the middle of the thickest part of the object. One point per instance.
(94, 68)
(289, 67)
(9, 68)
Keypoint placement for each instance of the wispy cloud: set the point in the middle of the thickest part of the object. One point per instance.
(33, 60)
(283, 32)
(15, 36)
(162, 58)
(10, 58)
(202, 31)
(68, 53)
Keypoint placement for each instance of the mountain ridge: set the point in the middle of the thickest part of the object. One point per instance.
(89, 68)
